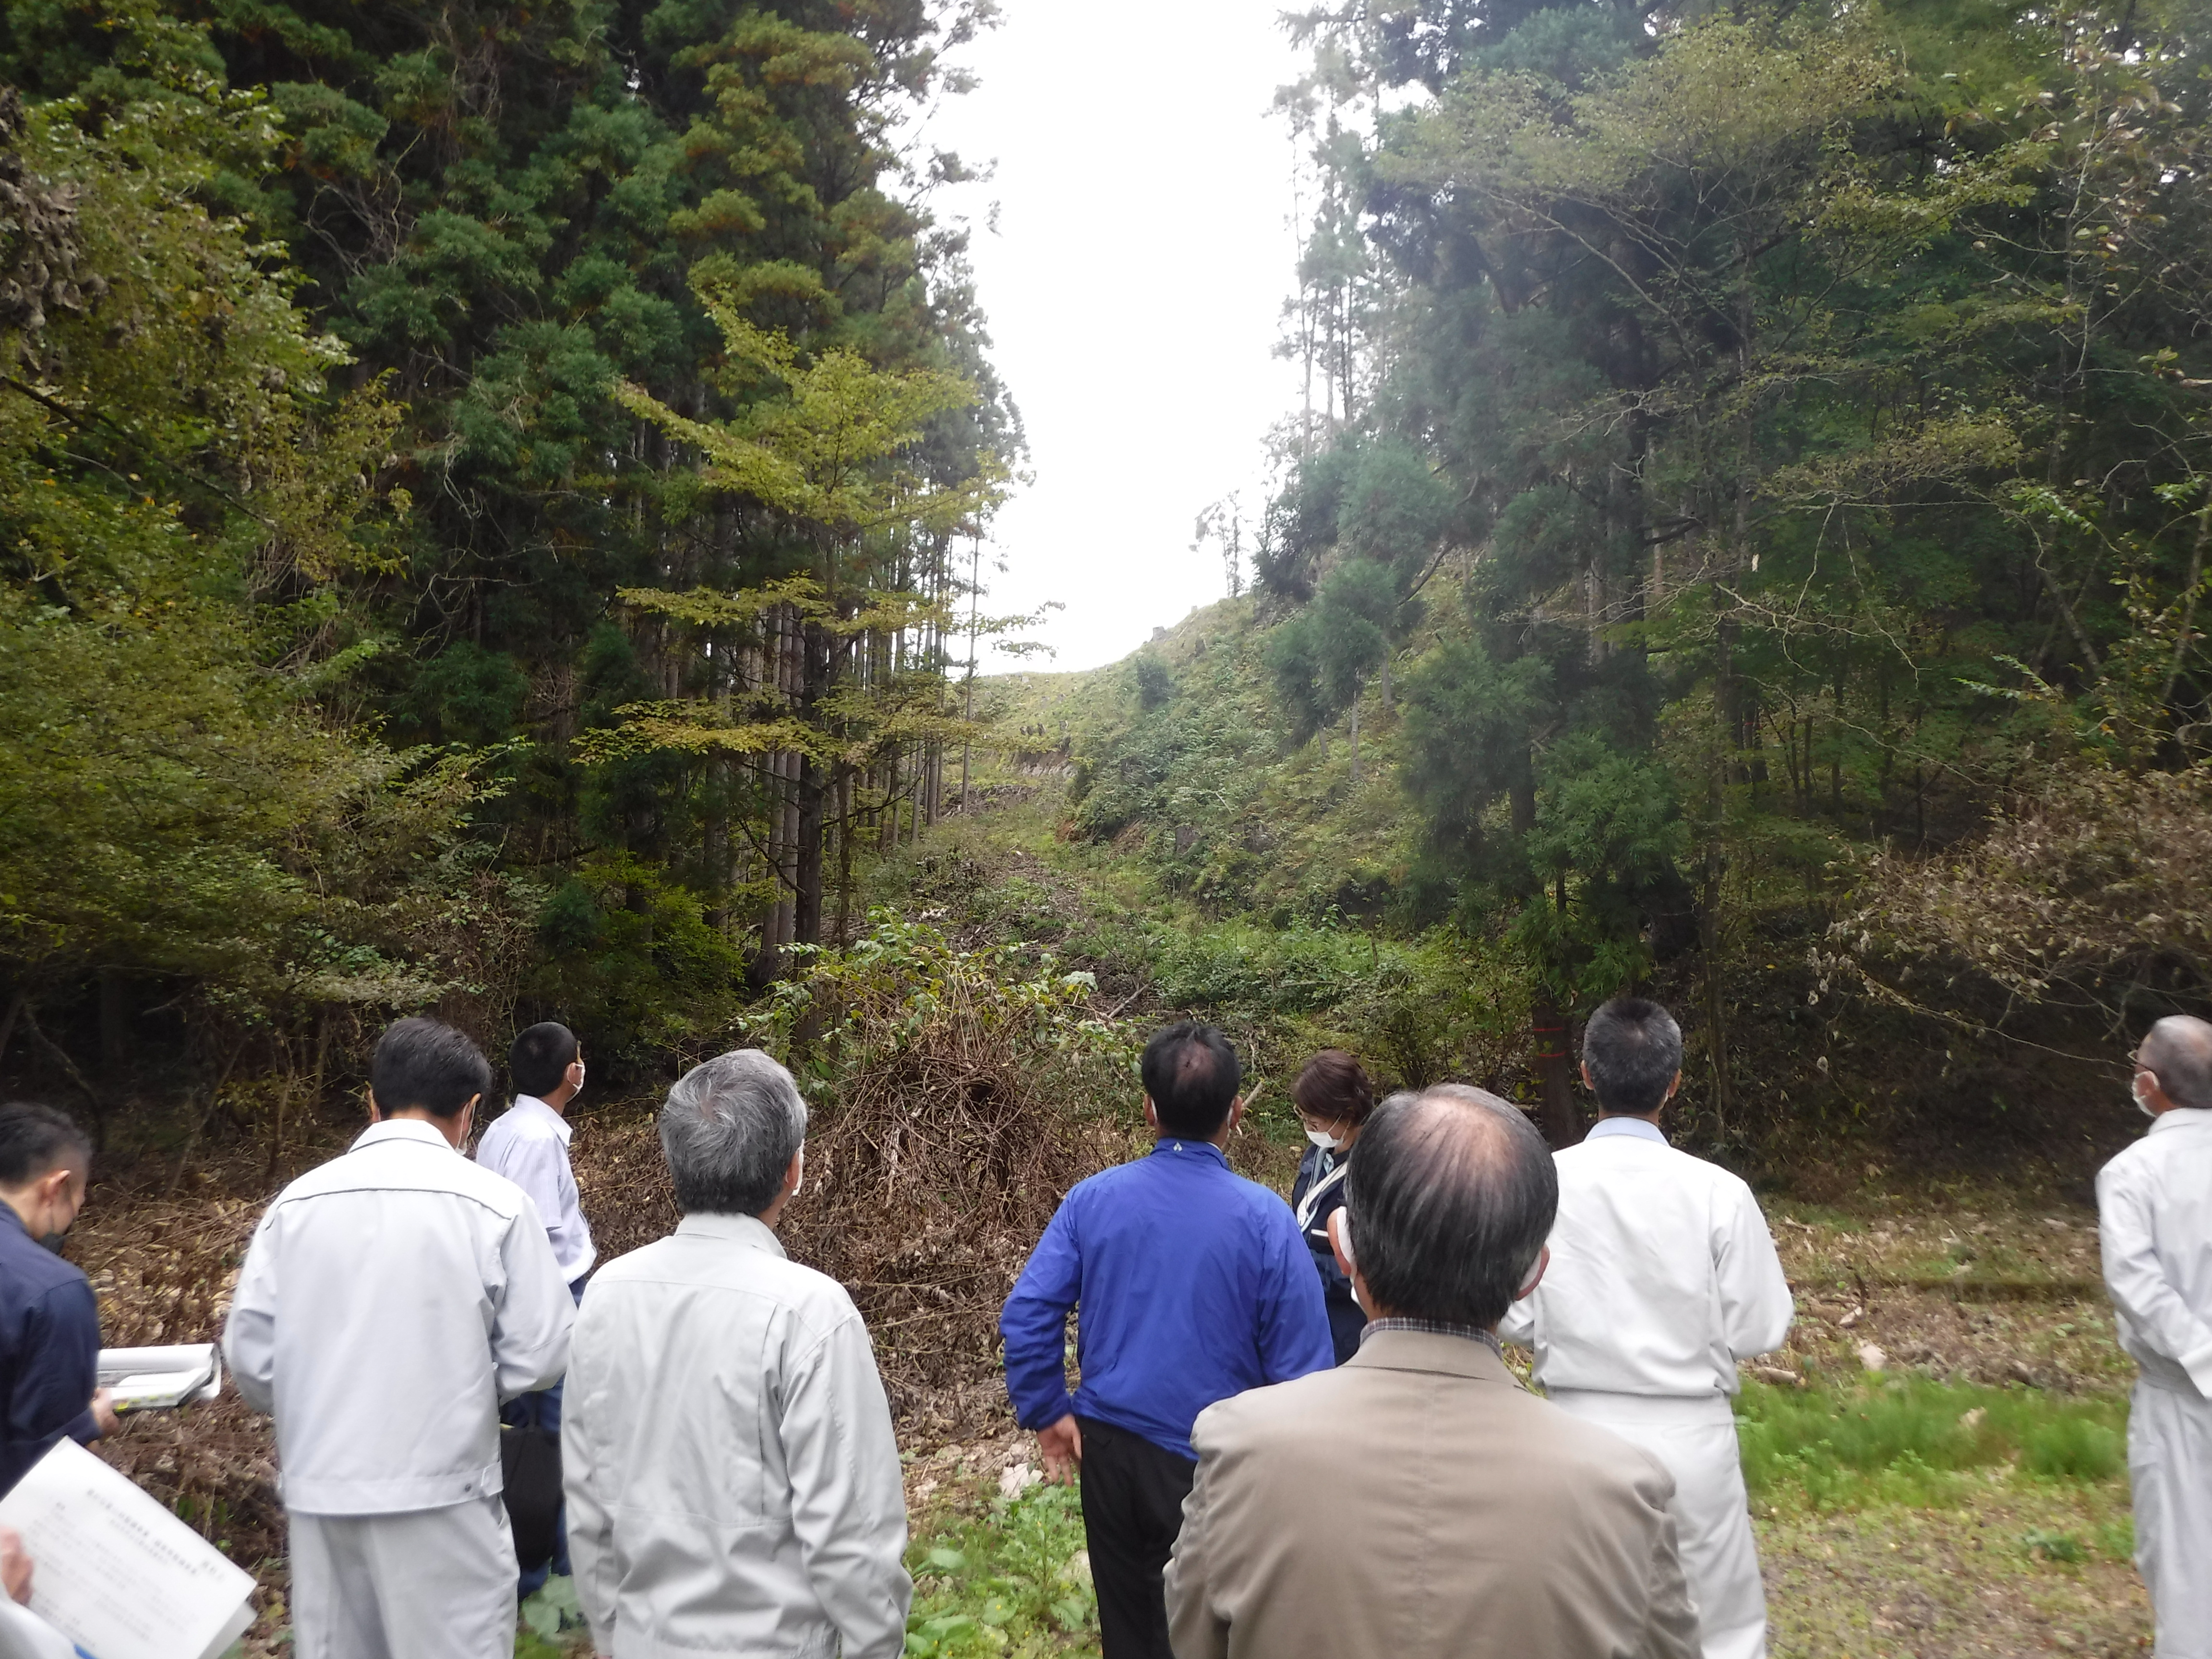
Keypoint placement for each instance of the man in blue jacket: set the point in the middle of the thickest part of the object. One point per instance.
(49, 1321)
(1194, 1286)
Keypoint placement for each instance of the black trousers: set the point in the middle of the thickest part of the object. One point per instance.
(1133, 1494)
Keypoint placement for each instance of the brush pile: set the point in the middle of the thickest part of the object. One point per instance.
(955, 1097)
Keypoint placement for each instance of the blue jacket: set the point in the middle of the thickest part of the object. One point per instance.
(49, 1350)
(1194, 1286)
(1345, 1320)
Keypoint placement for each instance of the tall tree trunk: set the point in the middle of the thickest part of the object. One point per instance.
(844, 855)
(114, 1022)
(816, 666)
(1563, 1124)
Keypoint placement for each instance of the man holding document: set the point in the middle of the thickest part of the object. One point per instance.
(390, 1301)
(49, 1321)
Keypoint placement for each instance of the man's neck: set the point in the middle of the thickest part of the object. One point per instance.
(1219, 1140)
(1650, 1117)
(557, 1102)
(449, 1127)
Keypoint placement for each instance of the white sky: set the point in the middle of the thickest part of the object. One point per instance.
(1135, 288)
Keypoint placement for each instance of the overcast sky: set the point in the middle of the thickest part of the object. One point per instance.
(1134, 284)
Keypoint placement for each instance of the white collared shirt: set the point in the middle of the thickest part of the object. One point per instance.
(2154, 1226)
(528, 1143)
(1662, 1273)
(390, 1300)
(732, 1476)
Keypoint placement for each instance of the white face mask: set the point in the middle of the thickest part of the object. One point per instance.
(2139, 1087)
(1328, 1143)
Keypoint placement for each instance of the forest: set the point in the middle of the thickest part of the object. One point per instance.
(494, 499)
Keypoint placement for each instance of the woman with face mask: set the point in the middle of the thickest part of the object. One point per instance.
(1334, 1100)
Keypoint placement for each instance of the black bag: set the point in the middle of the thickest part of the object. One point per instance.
(530, 1463)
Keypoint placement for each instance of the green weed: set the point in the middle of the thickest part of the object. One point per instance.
(1920, 1443)
(2053, 1545)
(1012, 1580)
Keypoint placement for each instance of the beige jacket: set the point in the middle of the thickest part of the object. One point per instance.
(1417, 1502)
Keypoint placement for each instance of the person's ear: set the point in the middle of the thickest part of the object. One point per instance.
(1236, 1113)
(1586, 1084)
(1674, 1088)
(1339, 1226)
(469, 1114)
(1152, 1114)
(375, 1112)
(1543, 1260)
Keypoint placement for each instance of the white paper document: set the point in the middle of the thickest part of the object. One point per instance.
(115, 1571)
(157, 1379)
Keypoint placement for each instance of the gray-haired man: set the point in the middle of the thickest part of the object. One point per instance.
(731, 1477)
(2154, 1222)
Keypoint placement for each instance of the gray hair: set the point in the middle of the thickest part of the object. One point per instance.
(729, 1130)
(1451, 1194)
(2178, 1053)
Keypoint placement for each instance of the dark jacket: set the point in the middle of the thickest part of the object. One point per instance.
(1345, 1320)
(49, 1350)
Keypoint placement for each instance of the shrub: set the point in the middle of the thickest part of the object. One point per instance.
(959, 1095)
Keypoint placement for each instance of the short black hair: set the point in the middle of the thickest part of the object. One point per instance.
(36, 1140)
(1191, 1076)
(421, 1063)
(2178, 1053)
(1633, 1049)
(539, 1058)
(1451, 1196)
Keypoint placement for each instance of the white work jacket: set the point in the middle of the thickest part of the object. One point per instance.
(390, 1300)
(528, 1143)
(1662, 1273)
(732, 1479)
(2155, 1226)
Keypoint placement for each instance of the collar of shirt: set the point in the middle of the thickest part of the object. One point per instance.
(748, 1229)
(531, 1106)
(1437, 1327)
(1641, 1129)
(2181, 1117)
(402, 1129)
(1202, 1148)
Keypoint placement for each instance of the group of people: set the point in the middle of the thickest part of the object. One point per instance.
(1296, 1430)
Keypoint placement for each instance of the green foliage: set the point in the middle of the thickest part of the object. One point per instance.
(181, 495)
(334, 346)
(631, 954)
(1805, 414)
(1012, 1580)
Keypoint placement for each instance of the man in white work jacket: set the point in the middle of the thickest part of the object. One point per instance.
(732, 1479)
(390, 1300)
(2154, 1222)
(1663, 1276)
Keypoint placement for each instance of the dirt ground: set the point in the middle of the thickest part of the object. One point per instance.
(1964, 1285)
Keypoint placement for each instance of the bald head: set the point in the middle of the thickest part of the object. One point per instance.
(2178, 1053)
(1451, 1196)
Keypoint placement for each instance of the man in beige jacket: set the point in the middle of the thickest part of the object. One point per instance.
(1416, 1501)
